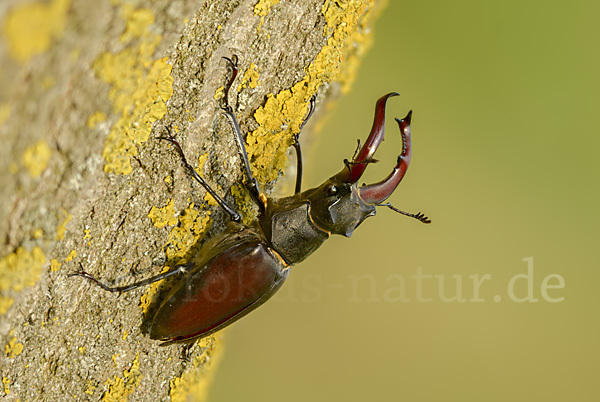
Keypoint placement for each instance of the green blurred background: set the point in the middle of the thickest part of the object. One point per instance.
(505, 162)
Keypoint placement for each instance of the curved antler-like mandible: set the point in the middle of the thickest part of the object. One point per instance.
(379, 192)
(355, 169)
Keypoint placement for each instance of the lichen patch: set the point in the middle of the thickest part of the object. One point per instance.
(36, 158)
(119, 388)
(19, 270)
(198, 375)
(163, 216)
(30, 29)
(250, 79)
(282, 114)
(139, 89)
(13, 348)
(190, 228)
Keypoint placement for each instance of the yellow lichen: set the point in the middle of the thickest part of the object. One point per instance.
(139, 88)
(86, 234)
(71, 256)
(19, 270)
(148, 297)
(190, 229)
(138, 21)
(357, 43)
(164, 216)
(38, 233)
(210, 200)
(29, 29)
(120, 388)
(96, 118)
(60, 231)
(219, 93)
(201, 162)
(282, 115)
(263, 8)
(6, 383)
(90, 388)
(36, 157)
(81, 349)
(13, 348)
(244, 201)
(54, 265)
(5, 304)
(198, 375)
(250, 78)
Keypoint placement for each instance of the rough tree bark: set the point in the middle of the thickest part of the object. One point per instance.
(87, 86)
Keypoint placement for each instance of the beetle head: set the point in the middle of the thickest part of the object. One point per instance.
(339, 205)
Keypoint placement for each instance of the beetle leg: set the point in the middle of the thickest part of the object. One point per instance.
(82, 273)
(297, 147)
(186, 352)
(251, 182)
(232, 70)
(235, 216)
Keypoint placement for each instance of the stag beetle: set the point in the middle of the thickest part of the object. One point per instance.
(243, 266)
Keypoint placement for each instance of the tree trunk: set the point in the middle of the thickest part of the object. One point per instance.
(87, 87)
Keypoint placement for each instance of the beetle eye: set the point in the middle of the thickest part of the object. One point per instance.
(332, 190)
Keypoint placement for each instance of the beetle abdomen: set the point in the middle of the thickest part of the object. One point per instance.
(232, 284)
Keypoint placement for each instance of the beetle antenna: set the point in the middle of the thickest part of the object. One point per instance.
(418, 216)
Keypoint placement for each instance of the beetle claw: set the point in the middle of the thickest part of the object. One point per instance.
(232, 70)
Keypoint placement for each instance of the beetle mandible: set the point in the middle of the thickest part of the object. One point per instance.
(243, 266)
